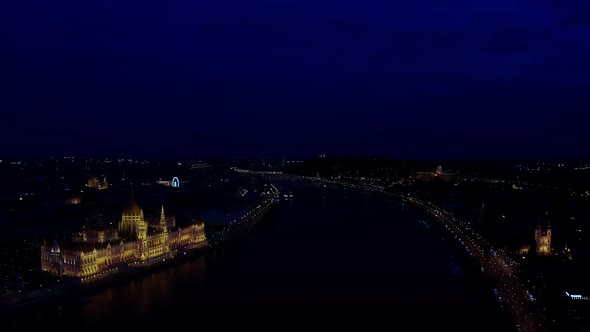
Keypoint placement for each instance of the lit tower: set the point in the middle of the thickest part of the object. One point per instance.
(543, 239)
(162, 224)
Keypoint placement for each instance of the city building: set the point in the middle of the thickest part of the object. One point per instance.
(543, 240)
(134, 242)
(164, 183)
(95, 183)
(73, 200)
(96, 234)
(175, 182)
(437, 174)
(523, 250)
(438, 170)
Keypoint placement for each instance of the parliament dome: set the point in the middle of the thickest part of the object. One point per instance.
(133, 210)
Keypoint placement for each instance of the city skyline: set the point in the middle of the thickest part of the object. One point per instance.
(415, 165)
(76, 226)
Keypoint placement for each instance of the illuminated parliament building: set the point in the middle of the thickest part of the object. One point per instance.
(134, 242)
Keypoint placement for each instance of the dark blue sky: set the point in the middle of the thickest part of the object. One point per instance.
(410, 79)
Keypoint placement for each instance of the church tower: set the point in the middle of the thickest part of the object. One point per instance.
(543, 239)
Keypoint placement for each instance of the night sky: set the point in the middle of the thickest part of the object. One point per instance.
(409, 79)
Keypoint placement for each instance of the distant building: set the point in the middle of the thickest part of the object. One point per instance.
(174, 183)
(95, 183)
(523, 250)
(438, 170)
(73, 200)
(163, 223)
(437, 174)
(92, 182)
(543, 240)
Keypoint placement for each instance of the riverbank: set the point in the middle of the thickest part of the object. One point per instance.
(325, 250)
(122, 273)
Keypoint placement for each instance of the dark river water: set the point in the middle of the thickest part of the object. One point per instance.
(327, 258)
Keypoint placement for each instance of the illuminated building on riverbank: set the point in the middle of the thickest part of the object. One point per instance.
(135, 241)
(95, 183)
(543, 240)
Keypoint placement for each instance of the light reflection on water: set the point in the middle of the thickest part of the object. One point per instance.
(141, 297)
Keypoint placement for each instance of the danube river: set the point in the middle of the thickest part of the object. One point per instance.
(327, 257)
